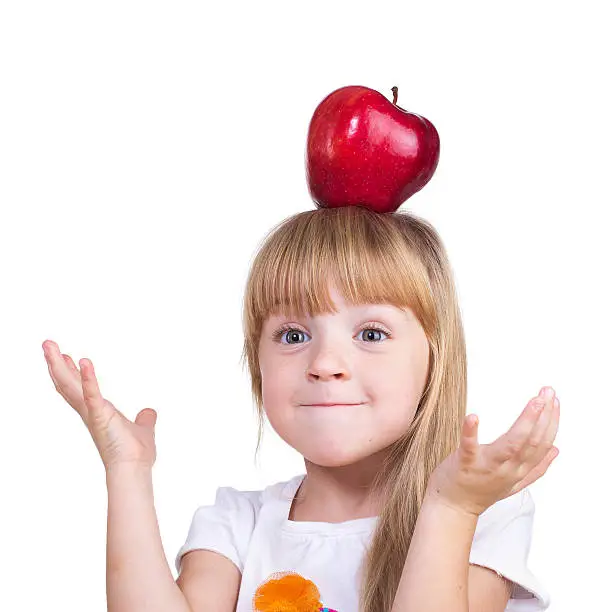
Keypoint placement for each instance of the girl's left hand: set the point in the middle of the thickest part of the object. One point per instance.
(476, 476)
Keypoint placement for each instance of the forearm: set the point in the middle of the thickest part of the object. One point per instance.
(435, 575)
(138, 577)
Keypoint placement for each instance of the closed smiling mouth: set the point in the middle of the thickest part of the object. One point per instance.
(327, 404)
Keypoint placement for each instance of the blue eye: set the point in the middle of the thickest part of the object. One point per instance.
(370, 327)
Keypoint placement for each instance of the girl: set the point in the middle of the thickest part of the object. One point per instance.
(399, 508)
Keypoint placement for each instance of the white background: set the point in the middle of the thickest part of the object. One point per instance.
(145, 150)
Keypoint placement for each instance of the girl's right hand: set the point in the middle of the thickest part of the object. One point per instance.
(119, 440)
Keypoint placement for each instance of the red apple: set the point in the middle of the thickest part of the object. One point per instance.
(363, 149)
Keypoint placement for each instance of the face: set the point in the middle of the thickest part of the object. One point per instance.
(372, 356)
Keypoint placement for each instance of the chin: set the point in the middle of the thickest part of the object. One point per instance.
(335, 455)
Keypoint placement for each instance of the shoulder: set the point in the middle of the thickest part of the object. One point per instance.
(227, 524)
(231, 499)
(232, 507)
(502, 542)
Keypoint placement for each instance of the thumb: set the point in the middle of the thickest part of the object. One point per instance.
(469, 438)
(146, 417)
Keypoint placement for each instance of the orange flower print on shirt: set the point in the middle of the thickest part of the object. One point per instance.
(288, 592)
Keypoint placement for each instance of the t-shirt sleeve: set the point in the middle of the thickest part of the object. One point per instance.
(224, 527)
(502, 541)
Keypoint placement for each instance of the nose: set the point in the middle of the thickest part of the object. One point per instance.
(326, 372)
(327, 360)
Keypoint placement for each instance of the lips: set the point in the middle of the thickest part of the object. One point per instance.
(327, 404)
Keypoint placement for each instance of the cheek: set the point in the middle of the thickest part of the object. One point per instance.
(276, 389)
(396, 390)
(398, 377)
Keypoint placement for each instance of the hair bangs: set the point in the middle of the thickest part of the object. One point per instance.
(355, 250)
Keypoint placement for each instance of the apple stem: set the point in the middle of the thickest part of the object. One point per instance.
(394, 90)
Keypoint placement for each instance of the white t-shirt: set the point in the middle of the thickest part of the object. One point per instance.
(252, 529)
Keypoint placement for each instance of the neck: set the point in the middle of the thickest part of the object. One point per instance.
(338, 494)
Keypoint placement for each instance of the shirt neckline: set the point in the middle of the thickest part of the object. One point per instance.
(360, 525)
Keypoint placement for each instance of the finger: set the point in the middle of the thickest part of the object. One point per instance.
(64, 380)
(469, 436)
(146, 417)
(553, 425)
(61, 366)
(71, 366)
(537, 445)
(538, 471)
(510, 444)
(98, 408)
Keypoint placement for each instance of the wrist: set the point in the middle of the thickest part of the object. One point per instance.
(434, 500)
(128, 470)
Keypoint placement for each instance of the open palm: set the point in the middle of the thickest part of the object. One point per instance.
(476, 476)
(117, 439)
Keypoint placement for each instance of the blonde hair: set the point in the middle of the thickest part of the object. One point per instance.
(395, 258)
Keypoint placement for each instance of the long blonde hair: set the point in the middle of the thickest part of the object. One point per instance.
(395, 258)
